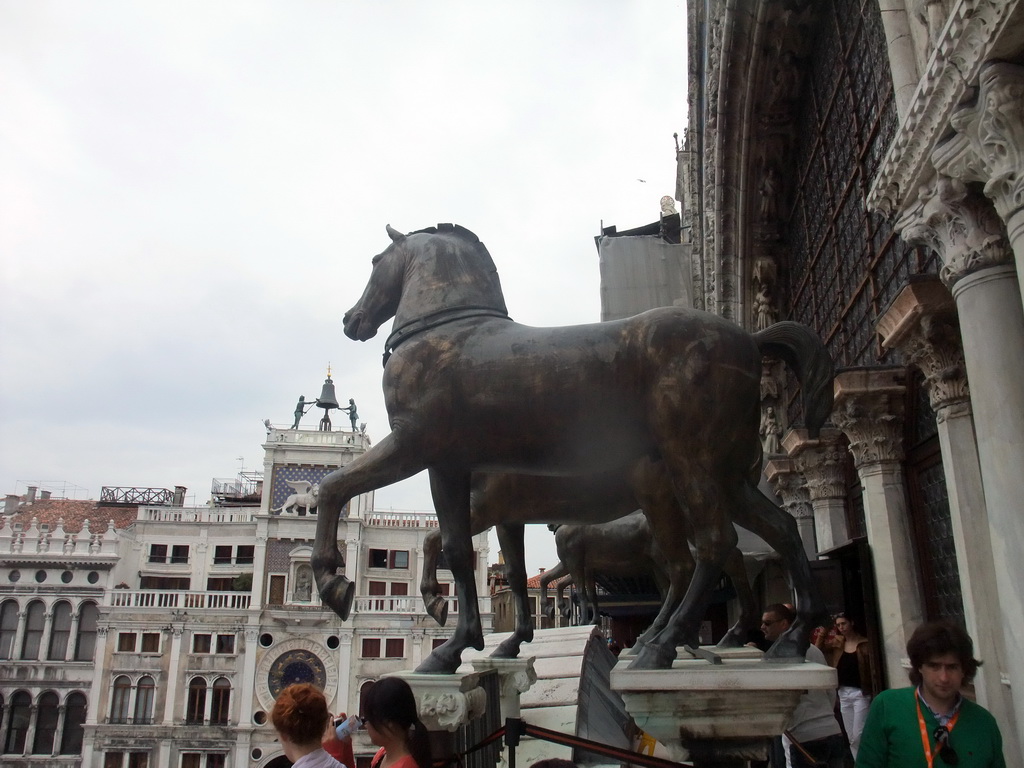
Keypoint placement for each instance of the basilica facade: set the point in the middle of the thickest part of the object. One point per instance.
(858, 166)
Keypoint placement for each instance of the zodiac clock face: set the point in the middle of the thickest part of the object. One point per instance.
(297, 666)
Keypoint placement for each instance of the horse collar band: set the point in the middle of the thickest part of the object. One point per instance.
(435, 319)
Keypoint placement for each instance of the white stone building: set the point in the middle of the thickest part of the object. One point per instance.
(161, 639)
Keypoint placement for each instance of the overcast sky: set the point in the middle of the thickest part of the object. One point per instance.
(191, 193)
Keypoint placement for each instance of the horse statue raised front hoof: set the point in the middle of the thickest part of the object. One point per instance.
(337, 593)
(437, 609)
(732, 639)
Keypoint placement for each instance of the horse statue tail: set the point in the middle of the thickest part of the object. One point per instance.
(804, 351)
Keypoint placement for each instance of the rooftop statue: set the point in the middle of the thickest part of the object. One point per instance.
(461, 379)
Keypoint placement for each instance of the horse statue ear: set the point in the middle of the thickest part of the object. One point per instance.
(394, 234)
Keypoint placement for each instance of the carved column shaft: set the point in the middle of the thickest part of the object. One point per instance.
(822, 463)
(922, 323)
(869, 409)
(961, 226)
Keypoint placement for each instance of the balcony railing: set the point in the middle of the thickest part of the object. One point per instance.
(197, 514)
(151, 598)
(402, 519)
(404, 604)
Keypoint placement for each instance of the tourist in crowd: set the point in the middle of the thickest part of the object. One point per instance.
(850, 653)
(338, 739)
(301, 718)
(392, 723)
(931, 723)
(813, 736)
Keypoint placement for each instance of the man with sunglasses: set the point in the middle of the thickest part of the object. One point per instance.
(931, 723)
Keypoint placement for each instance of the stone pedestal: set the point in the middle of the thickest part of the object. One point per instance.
(445, 703)
(516, 677)
(717, 714)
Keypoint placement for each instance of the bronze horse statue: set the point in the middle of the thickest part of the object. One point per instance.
(601, 502)
(469, 390)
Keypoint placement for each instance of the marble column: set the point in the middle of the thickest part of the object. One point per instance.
(790, 486)
(822, 460)
(869, 409)
(963, 227)
(922, 323)
(988, 147)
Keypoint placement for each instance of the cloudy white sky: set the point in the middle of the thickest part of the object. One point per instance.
(191, 192)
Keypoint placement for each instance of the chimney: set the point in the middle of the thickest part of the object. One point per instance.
(31, 495)
(44, 495)
(11, 503)
(179, 496)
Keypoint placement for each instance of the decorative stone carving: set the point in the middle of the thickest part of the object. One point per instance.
(922, 323)
(447, 702)
(960, 225)
(967, 41)
(989, 145)
(869, 408)
(820, 461)
(789, 483)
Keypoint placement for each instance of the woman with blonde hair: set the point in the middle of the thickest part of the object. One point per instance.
(301, 718)
(393, 724)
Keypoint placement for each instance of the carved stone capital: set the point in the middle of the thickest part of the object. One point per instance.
(517, 675)
(960, 225)
(788, 482)
(869, 408)
(989, 144)
(820, 460)
(922, 323)
(447, 702)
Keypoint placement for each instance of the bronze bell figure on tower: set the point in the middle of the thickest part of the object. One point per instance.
(327, 400)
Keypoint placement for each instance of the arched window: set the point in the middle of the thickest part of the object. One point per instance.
(60, 632)
(35, 620)
(220, 709)
(119, 701)
(17, 723)
(8, 628)
(46, 724)
(144, 700)
(85, 643)
(195, 710)
(74, 720)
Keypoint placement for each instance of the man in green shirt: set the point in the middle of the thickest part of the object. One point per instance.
(931, 724)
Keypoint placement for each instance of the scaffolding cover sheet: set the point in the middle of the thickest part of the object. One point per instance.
(641, 273)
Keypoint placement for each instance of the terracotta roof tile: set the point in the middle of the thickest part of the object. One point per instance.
(74, 512)
(534, 581)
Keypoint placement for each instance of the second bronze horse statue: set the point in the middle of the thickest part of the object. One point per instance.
(469, 390)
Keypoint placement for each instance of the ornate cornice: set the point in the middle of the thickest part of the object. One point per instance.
(958, 224)
(989, 143)
(967, 41)
(869, 408)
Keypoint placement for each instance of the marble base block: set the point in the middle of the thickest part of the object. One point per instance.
(715, 713)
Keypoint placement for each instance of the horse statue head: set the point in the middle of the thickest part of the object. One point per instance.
(424, 278)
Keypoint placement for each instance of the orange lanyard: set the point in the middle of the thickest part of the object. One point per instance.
(925, 739)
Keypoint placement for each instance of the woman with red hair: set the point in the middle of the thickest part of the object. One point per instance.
(300, 717)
